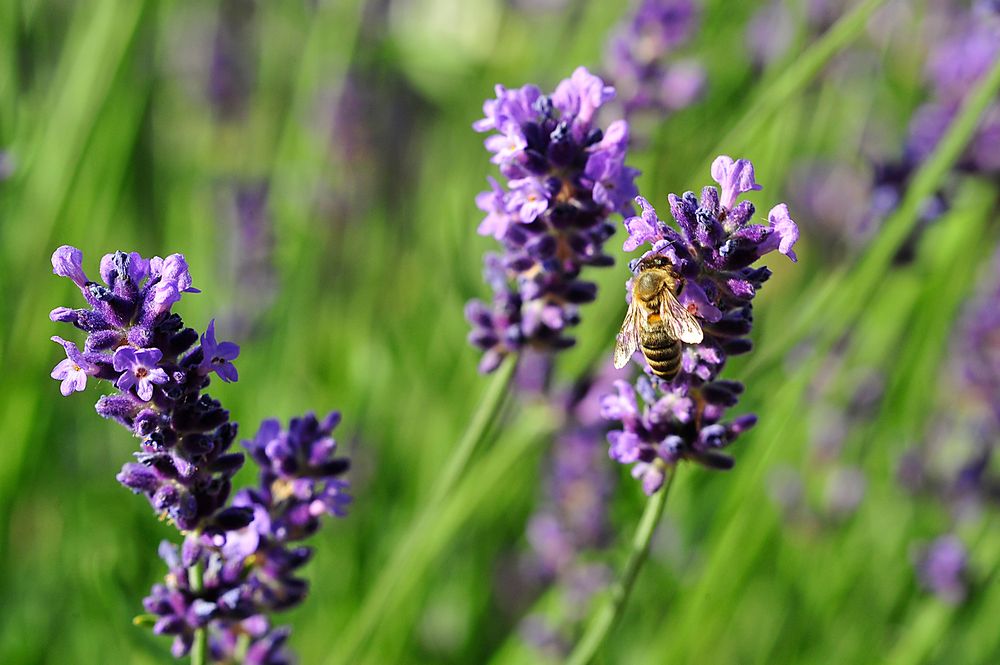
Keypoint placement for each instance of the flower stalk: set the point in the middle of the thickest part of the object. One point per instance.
(609, 614)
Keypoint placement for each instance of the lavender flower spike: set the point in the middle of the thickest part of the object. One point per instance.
(657, 423)
(565, 176)
(184, 467)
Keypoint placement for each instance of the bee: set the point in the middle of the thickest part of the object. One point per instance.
(655, 322)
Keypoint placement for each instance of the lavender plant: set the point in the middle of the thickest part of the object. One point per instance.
(958, 60)
(573, 518)
(641, 58)
(659, 423)
(239, 559)
(565, 176)
(954, 465)
(248, 221)
(231, 70)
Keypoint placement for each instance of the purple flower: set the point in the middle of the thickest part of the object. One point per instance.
(218, 356)
(73, 370)
(658, 423)
(494, 203)
(784, 232)
(138, 368)
(231, 66)
(641, 58)
(68, 262)
(581, 95)
(564, 178)
(942, 568)
(734, 178)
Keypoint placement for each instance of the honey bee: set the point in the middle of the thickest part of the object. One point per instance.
(656, 323)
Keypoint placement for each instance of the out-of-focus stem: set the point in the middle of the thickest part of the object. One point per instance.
(373, 607)
(605, 619)
(485, 414)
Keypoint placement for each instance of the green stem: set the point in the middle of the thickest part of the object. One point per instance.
(601, 625)
(794, 78)
(199, 648)
(386, 586)
(484, 416)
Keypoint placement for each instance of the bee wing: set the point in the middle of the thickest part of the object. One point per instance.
(679, 322)
(627, 340)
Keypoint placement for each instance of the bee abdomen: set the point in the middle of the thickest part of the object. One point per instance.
(663, 355)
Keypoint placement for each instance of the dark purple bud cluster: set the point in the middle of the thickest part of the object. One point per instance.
(641, 62)
(712, 254)
(184, 465)
(565, 176)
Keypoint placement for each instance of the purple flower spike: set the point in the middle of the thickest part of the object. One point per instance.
(68, 262)
(138, 368)
(217, 356)
(668, 417)
(565, 176)
(73, 370)
(734, 178)
(185, 465)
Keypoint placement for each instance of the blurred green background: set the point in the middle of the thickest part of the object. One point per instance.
(353, 150)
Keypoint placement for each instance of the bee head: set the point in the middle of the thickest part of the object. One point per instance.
(653, 262)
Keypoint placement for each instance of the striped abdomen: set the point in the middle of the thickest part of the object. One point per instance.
(662, 352)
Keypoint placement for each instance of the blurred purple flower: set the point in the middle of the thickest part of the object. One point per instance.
(641, 57)
(942, 568)
(231, 70)
(770, 33)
